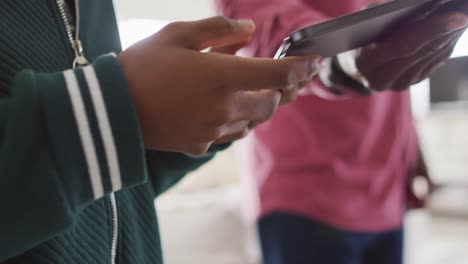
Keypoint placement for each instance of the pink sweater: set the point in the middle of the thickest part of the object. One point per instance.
(343, 162)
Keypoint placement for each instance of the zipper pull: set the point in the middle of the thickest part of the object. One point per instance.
(80, 59)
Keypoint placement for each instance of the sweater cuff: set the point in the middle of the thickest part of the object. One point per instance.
(94, 129)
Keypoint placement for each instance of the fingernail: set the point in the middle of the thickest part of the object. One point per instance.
(304, 70)
(291, 87)
(246, 24)
(295, 77)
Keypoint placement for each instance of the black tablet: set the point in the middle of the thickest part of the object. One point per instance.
(354, 30)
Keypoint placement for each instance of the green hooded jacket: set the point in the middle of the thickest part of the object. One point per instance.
(76, 184)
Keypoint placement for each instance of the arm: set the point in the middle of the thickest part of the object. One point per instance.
(72, 137)
(61, 148)
(419, 183)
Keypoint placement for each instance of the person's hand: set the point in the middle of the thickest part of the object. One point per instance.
(287, 95)
(419, 185)
(186, 99)
(410, 54)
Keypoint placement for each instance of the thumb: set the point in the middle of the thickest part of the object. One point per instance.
(212, 32)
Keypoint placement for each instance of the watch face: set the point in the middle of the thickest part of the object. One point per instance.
(350, 84)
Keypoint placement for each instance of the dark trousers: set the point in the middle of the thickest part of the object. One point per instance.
(293, 239)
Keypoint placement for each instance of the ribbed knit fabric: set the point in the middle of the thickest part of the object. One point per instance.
(48, 213)
(90, 240)
(28, 41)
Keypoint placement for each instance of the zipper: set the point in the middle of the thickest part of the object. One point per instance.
(80, 59)
(73, 34)
(115, 228)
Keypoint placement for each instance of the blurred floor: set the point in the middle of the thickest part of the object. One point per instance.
(202, 218)
(436, 240)
(208, 226)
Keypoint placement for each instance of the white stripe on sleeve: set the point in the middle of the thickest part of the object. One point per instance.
(104, 127)
(84, 131)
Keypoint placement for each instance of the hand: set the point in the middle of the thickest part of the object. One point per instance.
(186, 99)
(287, 95)
(410, 54)
(419, 185)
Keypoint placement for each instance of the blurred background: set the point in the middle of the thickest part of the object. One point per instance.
(206, 217)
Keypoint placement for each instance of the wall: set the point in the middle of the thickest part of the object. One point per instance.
(449, 83)
(164, 10)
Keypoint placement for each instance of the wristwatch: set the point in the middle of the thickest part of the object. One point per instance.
(341, 76)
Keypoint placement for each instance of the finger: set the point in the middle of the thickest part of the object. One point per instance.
(238, 130)
(383, 77)
(424, 68)
(232, 138)
(438, 62)
(297, 86)
(258, 106)
(406, 41)
(235, 127)
(304, 84)
(230, 49)
(197, 149)
(434, 67)
(210, 32)
(424, 71)
(290, 95)
(415, 36)
(436, 8)
(449, 6)
(261, 73)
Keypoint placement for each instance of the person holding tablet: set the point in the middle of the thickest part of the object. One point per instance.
(332, 171)
(91, 135)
